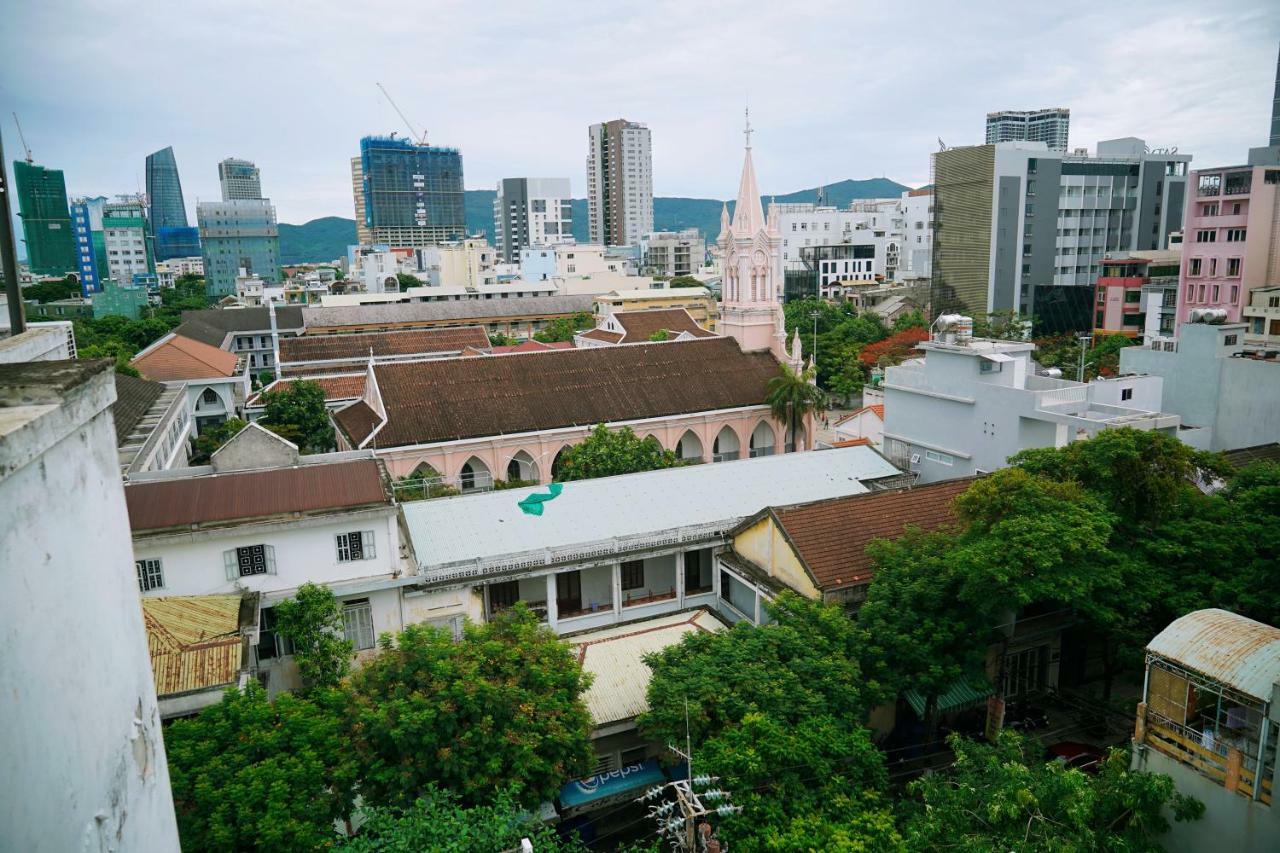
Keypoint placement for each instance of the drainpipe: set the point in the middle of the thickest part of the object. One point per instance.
(1262, 751)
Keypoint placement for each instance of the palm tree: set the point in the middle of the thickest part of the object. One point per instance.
(792, 396)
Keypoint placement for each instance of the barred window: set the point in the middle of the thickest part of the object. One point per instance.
(150, 575)
(356, 545)
(633, 574)
(249, 560)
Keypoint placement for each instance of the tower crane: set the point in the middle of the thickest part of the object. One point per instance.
(419, 138)
(22, 137)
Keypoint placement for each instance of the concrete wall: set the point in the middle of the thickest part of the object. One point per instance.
(37, 343)
(764, 544)
(305, 550)
(84, 764)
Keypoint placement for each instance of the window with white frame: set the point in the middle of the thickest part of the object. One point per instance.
(357, 623)
(150, 575)
(249, 560)
(356, 545)
(940, 458)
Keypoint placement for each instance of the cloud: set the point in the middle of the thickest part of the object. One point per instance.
(836, 90)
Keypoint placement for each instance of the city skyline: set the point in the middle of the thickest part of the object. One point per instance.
(870, 105)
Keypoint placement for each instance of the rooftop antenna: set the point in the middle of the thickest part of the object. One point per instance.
(22, 137)
(419, 138)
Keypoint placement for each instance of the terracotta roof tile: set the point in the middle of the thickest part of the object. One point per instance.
(604, 335)
(640, 326)
(345, 387)
(832, 536)
(530, 346)
(217, 498)
(405, 342)
(455, 398)
(853, 442)
(179, 358)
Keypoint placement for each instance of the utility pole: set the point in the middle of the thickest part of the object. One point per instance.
(9, 253)
(815, 315)
(1084, 341)
(678, 819)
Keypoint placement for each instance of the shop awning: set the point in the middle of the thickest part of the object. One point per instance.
(963, 693)
(596, 790)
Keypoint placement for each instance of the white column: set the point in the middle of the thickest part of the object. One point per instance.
(553, 614)
(680, 578)
(617, 589)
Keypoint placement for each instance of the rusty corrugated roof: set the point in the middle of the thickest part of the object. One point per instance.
(242, 495)
(194, 641)
(1227, 647)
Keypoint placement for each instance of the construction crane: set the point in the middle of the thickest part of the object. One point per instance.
(25, 147)
(419, 138)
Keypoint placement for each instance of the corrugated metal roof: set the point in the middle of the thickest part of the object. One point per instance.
(1226, 647)
(614, 657)
(194, 641)
(477, 527)
(460, 310)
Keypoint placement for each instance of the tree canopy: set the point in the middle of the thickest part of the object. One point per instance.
(792, 397)
(312, 622)
(212, 437)
(250, 774)
(685, 281)
(297, 412)
(501, 709)
(605, 452)
(562, 329)
(1004, 797)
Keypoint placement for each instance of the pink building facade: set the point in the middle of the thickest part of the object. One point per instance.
(1231, 239)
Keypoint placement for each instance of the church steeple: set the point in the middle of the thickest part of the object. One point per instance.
(748, 215)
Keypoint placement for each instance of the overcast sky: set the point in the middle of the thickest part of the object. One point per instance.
(837, 90)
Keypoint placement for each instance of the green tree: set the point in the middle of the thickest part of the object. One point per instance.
(502, 708)
(821, 773)
(562, 329)
(604, 453)
(498, 339)
(439, 822)
(297, 412)
(406, 281)
(792, 397)
(799, 667)
(685, 281)
(911, 320)
(1001, 797)
(250, 774)
(50, 291)
(1002, 325)
(312, 621)
(212, 437)
(660, 336)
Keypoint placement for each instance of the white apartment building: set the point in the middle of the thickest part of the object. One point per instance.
(377, 272)
(877, 227)
(971, 403)
(262, 519)
(124, 236)
(673, 253)
(915, 253)
(531, 212)
(619, 183)
(543, 263)
(463, 263)
(181, 266)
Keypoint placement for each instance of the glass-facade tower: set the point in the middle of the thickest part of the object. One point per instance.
(46, 220)
(238, 235)
(413, 194)
(164, 190)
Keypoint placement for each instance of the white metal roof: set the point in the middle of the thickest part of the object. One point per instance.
(1225, 646)
(479, 528)
(614, 658)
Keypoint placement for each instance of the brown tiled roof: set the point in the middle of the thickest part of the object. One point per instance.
(346, 387)
(217, 498)
(358, 420)
(450, 399)
(641, 325)
(604, 335)
(407, 342)
(1246, 456)
(134, 398)
(831, 536)
(194, 641)
(179, 358)
(530, 346)
(852, 442)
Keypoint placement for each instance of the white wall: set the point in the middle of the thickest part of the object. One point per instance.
(83, 763)
(305, 551)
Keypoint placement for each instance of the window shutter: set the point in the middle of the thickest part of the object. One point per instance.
(229, 563)
(344, 553)
(367, 542)
(269, 552)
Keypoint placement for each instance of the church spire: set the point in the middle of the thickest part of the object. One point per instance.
(748, 215)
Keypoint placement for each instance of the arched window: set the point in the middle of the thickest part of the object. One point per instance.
(522, 467)
(762, 440)
(689, 447)
(475, 476)
(210, 397)
(726, 447)
(556, 463)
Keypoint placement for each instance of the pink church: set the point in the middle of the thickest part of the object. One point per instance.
(469, 421)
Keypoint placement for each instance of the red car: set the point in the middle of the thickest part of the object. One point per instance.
(1081, 756)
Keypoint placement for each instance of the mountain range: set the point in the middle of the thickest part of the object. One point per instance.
(327, 238)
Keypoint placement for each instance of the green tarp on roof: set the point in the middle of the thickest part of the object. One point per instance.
(963, 693)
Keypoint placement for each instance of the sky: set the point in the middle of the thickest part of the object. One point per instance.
(836, 90)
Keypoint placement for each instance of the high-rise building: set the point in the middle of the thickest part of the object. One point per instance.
(1020, 227)
(177, 242)
(412, 194)
(1275, 108)
(619, 183)
(236, 236)
(673, 253)
(125, 230)
(357, 193)
(164, 191)
(1049, 126)
(240, 179)
(90, 243)
(531, 212)
(46, 220)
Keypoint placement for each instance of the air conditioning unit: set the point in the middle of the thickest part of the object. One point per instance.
(915, 458)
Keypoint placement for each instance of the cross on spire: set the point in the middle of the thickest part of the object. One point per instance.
(747, 131)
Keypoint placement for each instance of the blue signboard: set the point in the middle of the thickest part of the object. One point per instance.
(594, 790)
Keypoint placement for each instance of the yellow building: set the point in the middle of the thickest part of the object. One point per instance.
(698, 301)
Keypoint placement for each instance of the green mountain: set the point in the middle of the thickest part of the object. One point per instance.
(326, 239)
